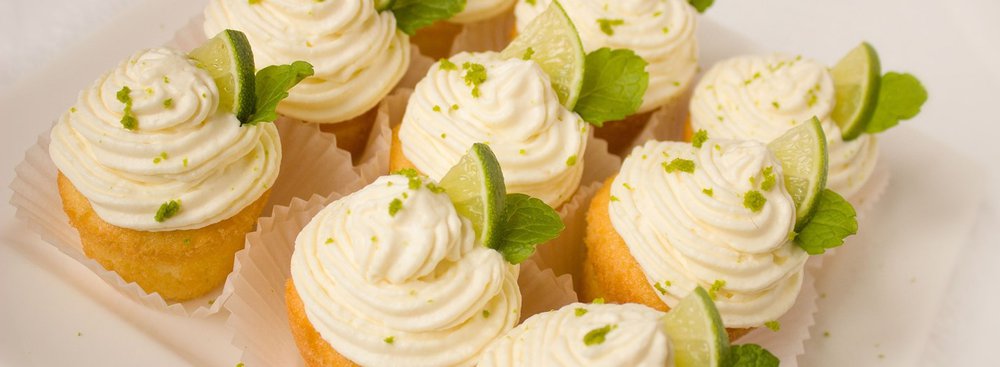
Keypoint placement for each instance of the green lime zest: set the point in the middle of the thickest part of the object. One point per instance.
(598, 335)
(167, 210)
(701, 5)
(129, 121)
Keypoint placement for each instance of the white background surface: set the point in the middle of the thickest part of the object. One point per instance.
(50, 49)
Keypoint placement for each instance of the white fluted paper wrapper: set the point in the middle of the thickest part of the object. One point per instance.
(493, 34)
(311, 164)
(258, 316)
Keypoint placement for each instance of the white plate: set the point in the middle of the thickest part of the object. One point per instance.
(882, 291)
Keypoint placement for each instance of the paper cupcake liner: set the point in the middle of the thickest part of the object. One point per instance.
(493, 34)
(864, 200)
(667, 122)
(788, 343)
(311, 163)
(258, 316)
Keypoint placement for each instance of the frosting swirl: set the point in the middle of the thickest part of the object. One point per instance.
(690, 229)
(416, 275)
(183, 149)
(761, 97)
(662, 32)
(478, 10)
(556, 338)
(357, 52)
(539, 143)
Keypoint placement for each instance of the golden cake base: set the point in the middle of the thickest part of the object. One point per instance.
(436, 40)
(610, 271)
(179, 265)
(315, 350)
(352, 135)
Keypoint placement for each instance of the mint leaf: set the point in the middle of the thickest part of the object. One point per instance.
(528, 222)
(412, 15)
(835, 219)
(900, 97)
(614, 82)
(701, 5)
(751, 355)
(272, 85)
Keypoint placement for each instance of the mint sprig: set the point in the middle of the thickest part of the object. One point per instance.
(900, 97)
(751, 355)
(412, 15)
(835, 219)
(272, 84)
(701, 5)
(614, 82)
(527, 222)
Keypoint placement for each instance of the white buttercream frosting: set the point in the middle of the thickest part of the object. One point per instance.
(761, 97)
(662, 32)
(357, 52)
(183, 148)
(556, 338)
(410, 287)
(694, 229)
(539, 143)
(478, 10)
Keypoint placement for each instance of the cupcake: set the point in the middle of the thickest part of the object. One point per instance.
(662, 32)
(436, 41)
(508, 104)
(359, 54)
(585, 335)
(714, 214)
(162, 183)
(760, 97)
(393, 275)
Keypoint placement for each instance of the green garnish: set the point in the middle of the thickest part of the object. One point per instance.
(395, 206)
(660, 288)
(598, 335)
(528, 53)
(776, 105)
(129, 122)
(486, 314)
(701, 5)
(447, 65)
(271, 85)
(571, 161)
(412, 15)
(167, 103)
(751, 355)
(769, 179)
(754, 200)
(389, 340)
(608, 24)
(436, 108)
(834, 220)
(773, 325)
(716, 287)
(699, 138)
(614, 82)
(329, 240)
(710, 192)
(167, 210)
(435, 188)
(580, 311)
(527, 222)
(679, 164)
(900, 97)
(454, 107)
(598, 301)
(475, 74)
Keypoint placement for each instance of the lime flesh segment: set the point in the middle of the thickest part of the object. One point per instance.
(857, 78)
(227, 57)
(475, 185)
(696, 331)
(804, 163)
(556, 47)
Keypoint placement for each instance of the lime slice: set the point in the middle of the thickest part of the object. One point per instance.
(804, 163)
(229, 60)
(856, 78)
(696, 331)
(381, 5)
(551, 41)
(475, 185)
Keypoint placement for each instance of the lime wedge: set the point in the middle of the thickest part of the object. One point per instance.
(475, 185)
(804, 163)
(229, 60)
(696, 331)
(381, 5)
(551, 41)
(856, 78)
